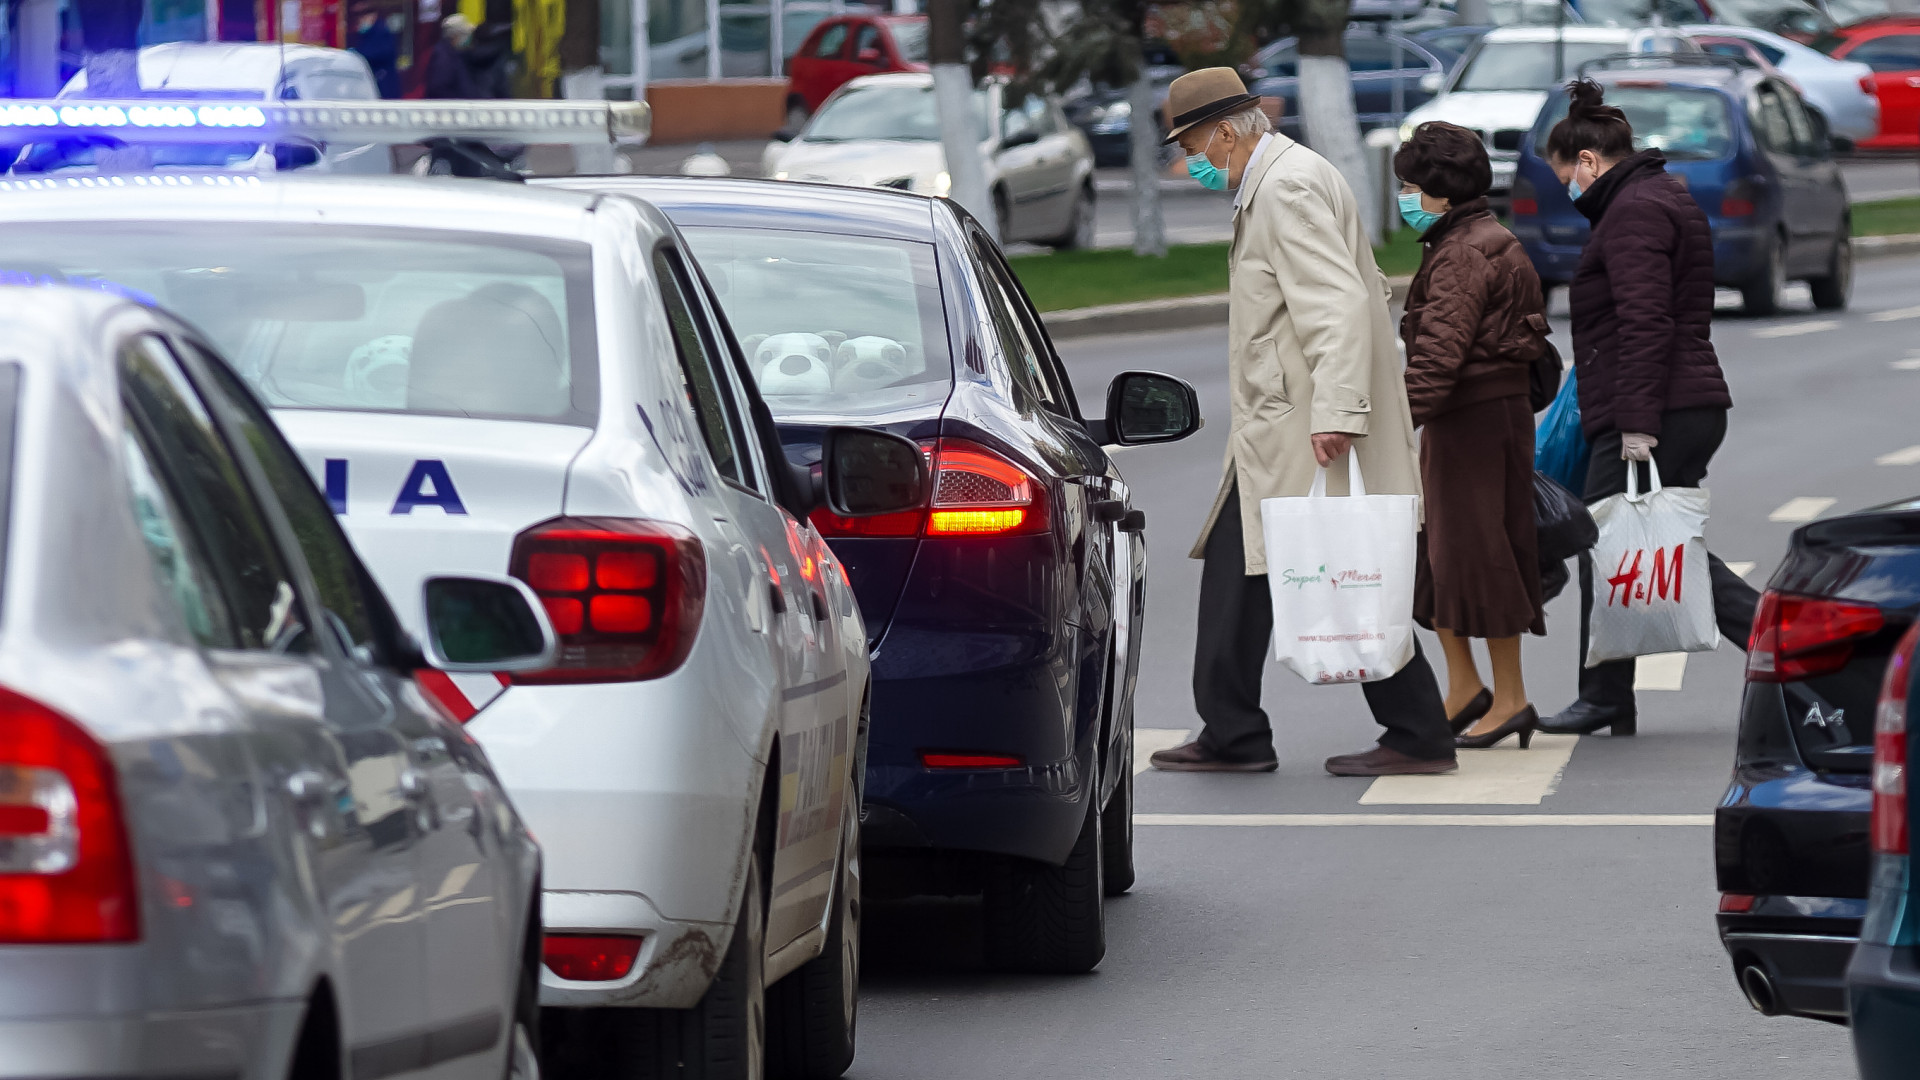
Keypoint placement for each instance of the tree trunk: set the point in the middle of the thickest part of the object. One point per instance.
(1333, 129)
(959, 124)
(1149, 225)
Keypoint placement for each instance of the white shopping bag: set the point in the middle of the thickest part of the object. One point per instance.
(1341, 572)
(1651, 592)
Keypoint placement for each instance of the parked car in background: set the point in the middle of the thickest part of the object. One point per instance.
(883, 131)
(1105, 115)
(1412, 17)
(1848, 12)
(1454, 41)
(1883, 985)
(843, 48)
(1791, 837)
(1797, 20)
(1389, 69)
(1842, 91)
(1499, 87)
(236, 838)
(1632, 13)
(1751, 154)
(1890, 45)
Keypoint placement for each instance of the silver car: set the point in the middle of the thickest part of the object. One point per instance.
(236, 839)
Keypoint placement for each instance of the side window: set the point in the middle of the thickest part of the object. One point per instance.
(1285, 63)
(214, 500)
(1776, 133)
(1800, 124)
(178, 563)
(1373, 53)
(1023, 358)
(1038, 114)
(833, 41)
(705, 384)
(1014, 121)
(1894, 52)
(866, 49)
(337, 576)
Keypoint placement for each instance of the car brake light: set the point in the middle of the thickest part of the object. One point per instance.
(933, 759)
(1799, 637)
(1523, 202)
(584, 958)
(976, 492)
(66, 871)
(1889, 820)
(1738, 200)
(624, 596)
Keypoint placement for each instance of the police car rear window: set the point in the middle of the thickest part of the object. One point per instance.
(416, 321)
(831, 325)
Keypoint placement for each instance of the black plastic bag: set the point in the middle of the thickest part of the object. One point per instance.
(1543, 377)
(1563, 526)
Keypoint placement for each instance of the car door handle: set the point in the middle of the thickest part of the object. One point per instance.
(778, 596)
(1108, 511)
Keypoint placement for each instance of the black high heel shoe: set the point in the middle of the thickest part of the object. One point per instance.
(1474, 709)
(1521, 723)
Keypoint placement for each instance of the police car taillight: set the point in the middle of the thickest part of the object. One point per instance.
(66, 872)
(624, 595)
(1889, 820)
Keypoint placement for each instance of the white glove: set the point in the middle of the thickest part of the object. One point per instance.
(1637, 447)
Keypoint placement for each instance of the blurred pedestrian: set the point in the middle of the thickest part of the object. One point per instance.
(1474, 323)
(490, 53)
(1313, 373)
(376, 42)
(447, 73)
(1650, 383)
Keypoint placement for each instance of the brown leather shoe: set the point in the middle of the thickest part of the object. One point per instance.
(1382, 761)
(1192, 757)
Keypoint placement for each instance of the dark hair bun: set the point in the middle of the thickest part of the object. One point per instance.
(1589, 102)
(1590, 124)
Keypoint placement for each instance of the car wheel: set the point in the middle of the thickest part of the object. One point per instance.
(812, 1013)
(1116, 830)
(1833, 291)
(1761, 294)
(1050, 919)
(1079, 234)
(523, 1043)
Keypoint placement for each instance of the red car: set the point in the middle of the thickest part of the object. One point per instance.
(844, 48)
(1890, 45)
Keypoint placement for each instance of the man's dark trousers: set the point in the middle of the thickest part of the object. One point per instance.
(1236, 629)
(1688, 438)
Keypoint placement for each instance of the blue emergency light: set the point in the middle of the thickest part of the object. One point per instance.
(348, 122)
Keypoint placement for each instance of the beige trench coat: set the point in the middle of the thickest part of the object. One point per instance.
(1311, 346)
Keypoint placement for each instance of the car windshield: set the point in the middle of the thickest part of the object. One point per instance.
(912, 39)
(831, 325)
(1641, 12)
(1684, 124)
(905, 113)
(1530, 65)
(1777, 16)
(416, 321)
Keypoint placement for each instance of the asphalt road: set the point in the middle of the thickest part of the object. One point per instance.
(1428, 950)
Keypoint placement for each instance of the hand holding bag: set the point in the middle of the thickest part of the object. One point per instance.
(1341, 574)
(1651, 592)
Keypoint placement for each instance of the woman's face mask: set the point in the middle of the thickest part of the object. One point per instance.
(1210, 176)
(1417, 217)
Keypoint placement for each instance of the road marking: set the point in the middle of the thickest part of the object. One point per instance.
(1895, 315)
(1660, 671)
(1909, 456)
(1503, 775)
(1146, 740)
(1796, 329)
(1911, 363)
(1803, 508)
(1326, 820)
(1740, 569)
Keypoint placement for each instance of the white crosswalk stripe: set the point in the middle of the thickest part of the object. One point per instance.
(1802, 508)
(1895, 315)
(1796, 329)
(1660, 671)
(1741, 568)
(1909, 456)
(1469, 820)
(1503, 775)
(1148, 739)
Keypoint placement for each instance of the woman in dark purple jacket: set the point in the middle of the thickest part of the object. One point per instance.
(1650, 383)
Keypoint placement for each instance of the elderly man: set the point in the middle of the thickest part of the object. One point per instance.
(1314, 374)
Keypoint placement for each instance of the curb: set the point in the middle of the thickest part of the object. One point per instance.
(1880, 247)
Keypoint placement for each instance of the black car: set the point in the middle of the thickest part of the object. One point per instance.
(1004, 616)
(1791, 834)
(1393, 74)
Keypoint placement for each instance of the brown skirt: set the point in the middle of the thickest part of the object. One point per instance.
(1479, 569)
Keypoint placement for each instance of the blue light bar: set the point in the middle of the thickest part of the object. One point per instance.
(348, 122)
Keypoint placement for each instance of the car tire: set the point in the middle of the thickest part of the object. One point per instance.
(1002, 217)
(813, 1012)
(1833, 291)
(1049, 919)
(523, 1041)
(1116, 829)
(1760, 295)
(1080, 227)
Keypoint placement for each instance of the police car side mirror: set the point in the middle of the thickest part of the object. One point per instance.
(1147, 407)
(865, 473)
(486, 623)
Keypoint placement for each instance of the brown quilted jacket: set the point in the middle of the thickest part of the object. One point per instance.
(1475, 318)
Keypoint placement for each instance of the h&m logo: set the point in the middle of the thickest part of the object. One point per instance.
(1667, 572)
(427, 484)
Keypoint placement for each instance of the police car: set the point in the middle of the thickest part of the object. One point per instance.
(486, 378)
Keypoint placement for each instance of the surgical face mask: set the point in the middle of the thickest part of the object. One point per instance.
(1210, 176)
(1417, 217)
(1574, 188)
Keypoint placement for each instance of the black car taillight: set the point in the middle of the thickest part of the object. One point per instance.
(624, 595)
(1798, 637)
(1889, 820)
(976, 492)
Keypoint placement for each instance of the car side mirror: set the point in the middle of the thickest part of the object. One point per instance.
(1020, 138)
(485, 623)
(1432, 82)
(290, 156)
(1147, 407)
(865, 473)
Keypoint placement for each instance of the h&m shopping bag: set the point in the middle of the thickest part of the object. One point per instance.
(1341, 573)
(1650, 588)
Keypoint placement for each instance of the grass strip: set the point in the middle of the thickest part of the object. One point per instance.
(1890, 217)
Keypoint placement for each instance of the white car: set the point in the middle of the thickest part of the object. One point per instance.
(486, 378)
(1498, 88)
(883, 131)
(1841, 90)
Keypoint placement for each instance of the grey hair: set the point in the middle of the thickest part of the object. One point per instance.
(1249, 123)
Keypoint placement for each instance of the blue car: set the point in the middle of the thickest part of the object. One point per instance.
(1883, 982)
(1393, 74)
(1757, 160)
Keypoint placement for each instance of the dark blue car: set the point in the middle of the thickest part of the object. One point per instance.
(1883, 982)
(1393, 74)
(1004, 617)
(1791, 836)
(1757, 160)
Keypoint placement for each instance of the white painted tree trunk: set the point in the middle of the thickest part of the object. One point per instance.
(960, 139)
(1333, 129)
(1149, 225)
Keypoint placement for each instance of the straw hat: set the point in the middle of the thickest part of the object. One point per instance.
(1207, 94)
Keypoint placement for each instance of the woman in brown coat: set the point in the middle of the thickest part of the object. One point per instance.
(1474, 323)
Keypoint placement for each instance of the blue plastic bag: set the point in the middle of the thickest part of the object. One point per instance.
(1559, 446)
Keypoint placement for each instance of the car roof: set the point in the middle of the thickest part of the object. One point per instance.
(772, 204)
(193, 65)
(1596, 34)
(1699, 76)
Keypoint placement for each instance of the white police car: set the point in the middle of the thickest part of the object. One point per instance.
(487, 378)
